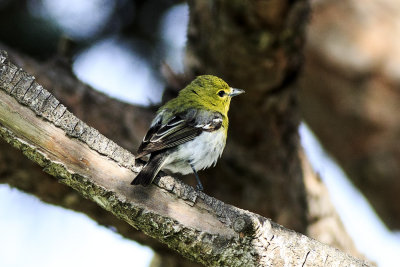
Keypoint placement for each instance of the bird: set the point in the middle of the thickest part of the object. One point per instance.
(189, 132)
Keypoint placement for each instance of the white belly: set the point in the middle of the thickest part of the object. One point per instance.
(202, 152)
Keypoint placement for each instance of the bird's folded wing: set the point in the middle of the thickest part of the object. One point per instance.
(181, 128)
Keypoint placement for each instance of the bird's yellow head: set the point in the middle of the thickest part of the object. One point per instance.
(208, 92)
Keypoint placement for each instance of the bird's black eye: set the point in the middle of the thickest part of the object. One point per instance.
(221, 93)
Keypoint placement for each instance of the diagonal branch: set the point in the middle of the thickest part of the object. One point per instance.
(194, 224)
(125, 123)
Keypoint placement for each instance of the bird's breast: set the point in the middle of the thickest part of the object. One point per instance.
(202, 152)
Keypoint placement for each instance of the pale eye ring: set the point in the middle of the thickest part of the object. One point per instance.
(221, 93)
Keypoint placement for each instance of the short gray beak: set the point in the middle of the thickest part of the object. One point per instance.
(236, 92)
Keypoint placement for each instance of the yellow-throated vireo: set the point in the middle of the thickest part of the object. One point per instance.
(189, 132)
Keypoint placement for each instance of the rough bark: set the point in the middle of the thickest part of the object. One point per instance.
(350, 94)
(33, 121)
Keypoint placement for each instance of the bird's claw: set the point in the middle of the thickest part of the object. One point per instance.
(199, 187)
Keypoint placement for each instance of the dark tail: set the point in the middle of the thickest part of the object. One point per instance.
(149, 171)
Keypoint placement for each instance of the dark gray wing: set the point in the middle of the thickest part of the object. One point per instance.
(181, 128)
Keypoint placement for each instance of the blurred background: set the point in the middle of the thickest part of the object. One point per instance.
(348, 93)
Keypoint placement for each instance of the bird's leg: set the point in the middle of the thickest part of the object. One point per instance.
(199, 186)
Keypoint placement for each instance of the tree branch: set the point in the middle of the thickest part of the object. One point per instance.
(196, 225)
